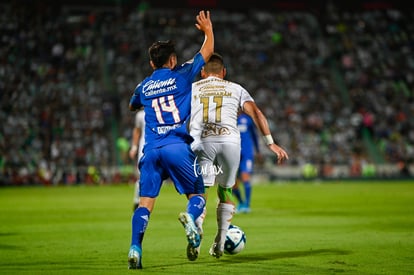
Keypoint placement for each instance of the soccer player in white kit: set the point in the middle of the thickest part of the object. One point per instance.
(213, 125)
(135, 153)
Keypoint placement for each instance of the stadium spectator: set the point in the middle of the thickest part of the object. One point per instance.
(62, 61)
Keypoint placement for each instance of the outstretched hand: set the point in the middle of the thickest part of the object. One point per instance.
(280, 153)
(203, 21)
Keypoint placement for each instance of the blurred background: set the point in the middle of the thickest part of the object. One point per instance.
(336, 81)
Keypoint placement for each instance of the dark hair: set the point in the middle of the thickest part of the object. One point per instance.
(160, 51)
(217, 58)
(215, 64)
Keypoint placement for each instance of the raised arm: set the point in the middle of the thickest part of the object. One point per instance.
(260, 120)
(204, 24)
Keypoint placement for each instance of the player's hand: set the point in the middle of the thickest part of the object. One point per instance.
(133, 153)
(203, 21)
(280, 153)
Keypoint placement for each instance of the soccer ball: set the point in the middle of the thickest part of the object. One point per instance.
(235, 240)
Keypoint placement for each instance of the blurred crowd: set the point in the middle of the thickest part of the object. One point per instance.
(337, 86)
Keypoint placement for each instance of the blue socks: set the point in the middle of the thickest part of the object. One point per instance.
(237, 194)
(247, 192)
(140, 220)
(195, 206)
(141, 217)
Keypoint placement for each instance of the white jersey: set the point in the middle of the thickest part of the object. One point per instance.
(140, 123)
(214, 106)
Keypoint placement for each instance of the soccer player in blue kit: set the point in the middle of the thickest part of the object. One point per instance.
(166, 99)
(249, 146)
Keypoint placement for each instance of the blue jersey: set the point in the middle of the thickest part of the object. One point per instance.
(248, 135)
(166, 98)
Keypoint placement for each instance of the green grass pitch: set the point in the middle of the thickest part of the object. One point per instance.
(294, 228)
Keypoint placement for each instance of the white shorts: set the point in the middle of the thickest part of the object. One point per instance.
(218, 162)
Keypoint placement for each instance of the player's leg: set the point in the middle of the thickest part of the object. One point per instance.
(193, 232)
(186, 181)
(237, 194)
(136, 190)
(244, 166)
(140, 221)
(200, 220)
(151, 180)
(205, 158)
(184, 175)
(226, 178)
(246, 179)
(224, 212)
(136, 195)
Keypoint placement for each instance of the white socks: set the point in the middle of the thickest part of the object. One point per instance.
(225, 212)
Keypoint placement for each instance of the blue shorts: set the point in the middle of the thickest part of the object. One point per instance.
(176, 161)
(246, 163)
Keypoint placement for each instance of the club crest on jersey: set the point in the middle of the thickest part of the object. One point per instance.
(211, 129)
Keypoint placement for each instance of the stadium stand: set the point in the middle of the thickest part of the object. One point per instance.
(337, 84)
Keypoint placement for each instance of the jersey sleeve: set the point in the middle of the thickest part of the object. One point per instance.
(244, 96)
(192, 67)
(135, 100)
